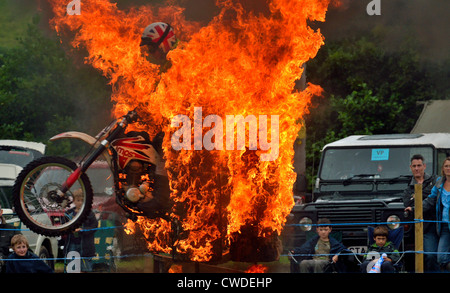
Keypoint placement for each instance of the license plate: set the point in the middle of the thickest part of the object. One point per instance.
(358, 249)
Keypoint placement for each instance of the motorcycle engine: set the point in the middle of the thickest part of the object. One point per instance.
(137, 189)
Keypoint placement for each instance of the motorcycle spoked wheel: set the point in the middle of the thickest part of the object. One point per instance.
(39, 206)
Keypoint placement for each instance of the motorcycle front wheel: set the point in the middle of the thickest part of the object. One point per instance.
(41, 207)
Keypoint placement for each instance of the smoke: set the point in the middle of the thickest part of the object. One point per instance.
(422, 24)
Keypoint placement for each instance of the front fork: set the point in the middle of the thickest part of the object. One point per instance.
(86, 164)
(70, 181)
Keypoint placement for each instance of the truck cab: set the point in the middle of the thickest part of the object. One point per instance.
(360, 183)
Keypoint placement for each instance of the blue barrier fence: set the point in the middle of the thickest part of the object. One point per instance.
(372, 223)
(415, 221)
(289, 254)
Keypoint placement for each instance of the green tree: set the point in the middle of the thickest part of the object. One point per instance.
(43, 92)
(368, 90)
(363, 112)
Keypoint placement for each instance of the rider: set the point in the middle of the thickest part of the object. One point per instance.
(157, 40)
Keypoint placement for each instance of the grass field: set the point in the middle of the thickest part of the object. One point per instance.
(15, 15)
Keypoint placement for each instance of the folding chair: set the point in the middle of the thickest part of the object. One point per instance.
(396, 237)
(295, 261)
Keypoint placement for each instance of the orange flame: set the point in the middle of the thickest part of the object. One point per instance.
(241, 63)
(176, 269)
(257, 268)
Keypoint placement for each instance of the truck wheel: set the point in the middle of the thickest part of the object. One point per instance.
(45, 255)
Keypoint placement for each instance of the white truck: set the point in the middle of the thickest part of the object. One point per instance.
(14, 155)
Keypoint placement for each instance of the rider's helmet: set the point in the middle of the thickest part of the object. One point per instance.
(159, 36)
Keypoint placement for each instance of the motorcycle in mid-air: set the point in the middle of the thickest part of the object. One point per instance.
(53, 195)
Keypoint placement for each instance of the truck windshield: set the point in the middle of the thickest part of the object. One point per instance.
(17, 156)
(372, 162)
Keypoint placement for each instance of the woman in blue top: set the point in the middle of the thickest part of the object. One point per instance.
(439, 199)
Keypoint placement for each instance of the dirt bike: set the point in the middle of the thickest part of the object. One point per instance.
(53, 195)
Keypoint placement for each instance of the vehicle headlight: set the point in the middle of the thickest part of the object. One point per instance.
(394, 222)
(305, 224)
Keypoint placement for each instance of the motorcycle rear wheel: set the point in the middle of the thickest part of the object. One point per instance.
(38, 204)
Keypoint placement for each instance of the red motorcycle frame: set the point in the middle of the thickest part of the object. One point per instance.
(46, 190)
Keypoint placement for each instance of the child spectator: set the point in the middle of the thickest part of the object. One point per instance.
(321, 250)
(380, 246)
(24, 261)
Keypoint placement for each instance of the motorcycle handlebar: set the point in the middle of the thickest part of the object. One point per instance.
(131, 116)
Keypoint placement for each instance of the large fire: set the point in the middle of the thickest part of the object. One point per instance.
(244, 62)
